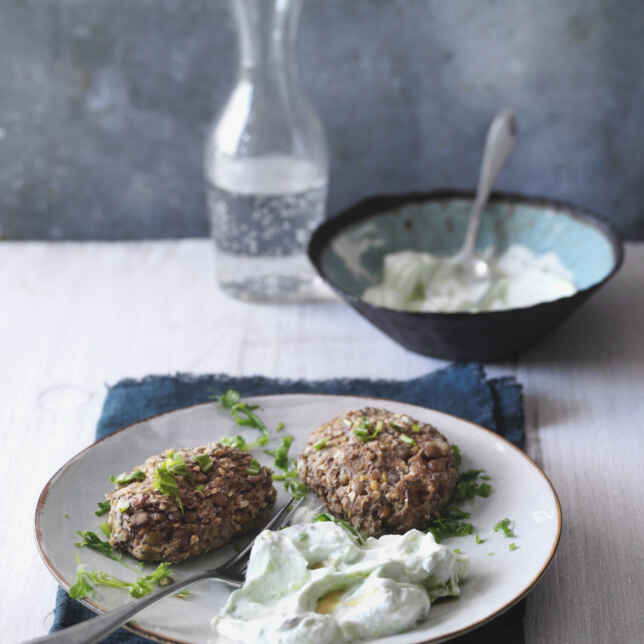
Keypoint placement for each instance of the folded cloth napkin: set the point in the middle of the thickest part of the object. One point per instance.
(460, 389)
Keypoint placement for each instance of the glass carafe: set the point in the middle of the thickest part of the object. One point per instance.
(266, 164)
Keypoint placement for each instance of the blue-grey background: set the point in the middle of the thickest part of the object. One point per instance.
(104, 104)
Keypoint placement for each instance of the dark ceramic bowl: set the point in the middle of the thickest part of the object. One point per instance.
(348, 250)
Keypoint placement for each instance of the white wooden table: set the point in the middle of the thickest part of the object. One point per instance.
(75, 317)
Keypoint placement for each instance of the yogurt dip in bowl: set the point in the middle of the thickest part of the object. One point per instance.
(350, 253)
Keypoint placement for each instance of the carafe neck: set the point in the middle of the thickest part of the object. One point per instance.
(266, 31)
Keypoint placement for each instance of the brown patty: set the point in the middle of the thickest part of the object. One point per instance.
(382, 485)
(152, 527)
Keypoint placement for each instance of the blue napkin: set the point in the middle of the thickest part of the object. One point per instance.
(460, 389)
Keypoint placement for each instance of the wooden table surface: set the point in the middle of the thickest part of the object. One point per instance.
(77, 317)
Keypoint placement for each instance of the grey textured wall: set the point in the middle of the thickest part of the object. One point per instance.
(104, 104)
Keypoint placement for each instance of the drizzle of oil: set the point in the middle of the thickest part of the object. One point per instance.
(327, 604)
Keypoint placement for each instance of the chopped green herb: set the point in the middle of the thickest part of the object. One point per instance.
(139, 588)
(91, 540)
(165, 476)
(125, 478)
(415, 428)
(106, 529)
(479, 540)
(407, 439)
(325, 516)
(66, 515)
(444, 527)
(82, 587)
(228, 399)
(199, 488)
(321, 444)
(467, 486)
(204, 462)
(124, 508)
(504, 526)
(280, 427)
(457, 454)
(485, 477)
(458, 551)
(235, 441)
(513, 546)
(362, 429)
(253, 468)
(294, 487)
(161, 576)
(452, 512)
(281, 452)
(103, 508)
(183, 594)
(490, 554)
(243, 414)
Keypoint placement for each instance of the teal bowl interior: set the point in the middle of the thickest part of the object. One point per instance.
(353, 258)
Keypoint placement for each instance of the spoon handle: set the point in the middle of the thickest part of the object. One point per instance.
(501, 138)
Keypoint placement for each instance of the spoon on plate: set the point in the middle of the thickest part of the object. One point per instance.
(466, 266)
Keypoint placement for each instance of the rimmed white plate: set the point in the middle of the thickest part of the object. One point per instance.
(498, 578)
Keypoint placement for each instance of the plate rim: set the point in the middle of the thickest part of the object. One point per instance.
(139, 630)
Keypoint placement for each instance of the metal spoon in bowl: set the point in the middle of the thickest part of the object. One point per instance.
(466, 266)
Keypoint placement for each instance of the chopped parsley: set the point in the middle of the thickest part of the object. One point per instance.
(204, 462)
(281, 452)
(92, 541)
(490, 554)
(362, 429)
(443, 528)
(165, 476)
(407, 439)
(253, 468)
(321, 444)
(228, 399)
(87, 579)
(243, 414)
(457, 454)
(235, 441)
(280, 427)
(199, 488)
(82, 587)
(106, 529)
(125, 478)
(415, 428)
(458, 551)
(467, 486)
(295, 488)
(504, 526)
(479, 540)
(103, 508)
(354, 532)
(513, 546)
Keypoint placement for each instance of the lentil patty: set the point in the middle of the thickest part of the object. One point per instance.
(218, 505)
(382, 472)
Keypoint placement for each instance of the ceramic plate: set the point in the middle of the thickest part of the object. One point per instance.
(498, 578)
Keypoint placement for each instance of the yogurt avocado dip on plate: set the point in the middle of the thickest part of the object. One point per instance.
(314, 582)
